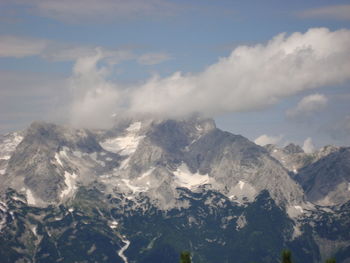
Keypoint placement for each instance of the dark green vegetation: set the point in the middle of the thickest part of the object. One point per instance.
(215, 231)
(185, 257)
(286, 256)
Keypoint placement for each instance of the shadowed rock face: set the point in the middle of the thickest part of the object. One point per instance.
(327, 181)
(292, 148)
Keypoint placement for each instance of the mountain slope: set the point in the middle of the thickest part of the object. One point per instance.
(327, 181)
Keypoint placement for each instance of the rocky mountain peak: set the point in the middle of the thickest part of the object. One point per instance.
(293, 148)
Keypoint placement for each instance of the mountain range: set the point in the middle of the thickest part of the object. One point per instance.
(146, 189)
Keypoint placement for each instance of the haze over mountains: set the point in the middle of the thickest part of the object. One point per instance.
(185, 172)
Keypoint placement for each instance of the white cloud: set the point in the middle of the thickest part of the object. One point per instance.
(308, 105)
(338, 12)
(266, 139)
(99, 10)
(19, 47)
(250, 78)
(94, 98)
(308, 146)
(153, 58)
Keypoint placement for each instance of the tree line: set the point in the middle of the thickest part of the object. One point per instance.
(286, 257)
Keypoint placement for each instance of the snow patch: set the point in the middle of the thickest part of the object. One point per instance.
(241, 222)
(298, 207)
(33, 229)
(146, 174)
(296, 231)
(122, 250)
(30, 197)
(241, 184)
(113, 224)
(134, 127)
(295, 211)
(2, 171)
(134, 188)
(185, 178)
(127, 144)
(57, 158)
(18, 199)
(69, 180)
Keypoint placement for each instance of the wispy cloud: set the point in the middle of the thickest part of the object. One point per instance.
(337, 12)
(19, 47)
(265, 139)
(308, 105)
(153, 58)
(86, 11)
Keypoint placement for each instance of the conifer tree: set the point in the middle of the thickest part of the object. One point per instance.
(331, 260)
(286, 256)
(185, 257)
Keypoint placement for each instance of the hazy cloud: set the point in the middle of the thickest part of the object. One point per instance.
(153, 58)
(308, 106)
(250, 78)
(338, 12)
(308, 146)
(19, 47)
(340, 129)
(266, 139)
(27, 96)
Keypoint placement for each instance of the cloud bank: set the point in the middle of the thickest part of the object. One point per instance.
(308, 105)
(250, 78)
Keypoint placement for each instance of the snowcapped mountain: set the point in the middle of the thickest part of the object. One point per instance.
(134, 185)
(149, 158)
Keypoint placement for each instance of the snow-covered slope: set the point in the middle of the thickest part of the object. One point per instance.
(8, 144)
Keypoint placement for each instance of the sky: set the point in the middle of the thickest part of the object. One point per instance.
(273, 71)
